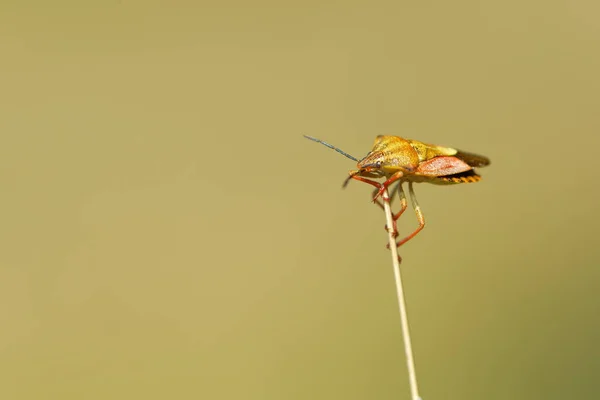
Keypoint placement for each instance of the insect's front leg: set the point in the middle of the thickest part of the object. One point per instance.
(387, 199)
(380, 204)
(383, 186)
(369, 181)
(403, 205)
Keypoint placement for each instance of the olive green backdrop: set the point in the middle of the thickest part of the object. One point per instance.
(166, 232)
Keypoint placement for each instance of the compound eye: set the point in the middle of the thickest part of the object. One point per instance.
(378, 164)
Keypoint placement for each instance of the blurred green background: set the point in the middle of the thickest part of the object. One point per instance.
(166, 232)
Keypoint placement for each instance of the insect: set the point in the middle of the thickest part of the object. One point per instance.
(404, 160)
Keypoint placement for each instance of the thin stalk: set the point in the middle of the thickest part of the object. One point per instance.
(410, 362)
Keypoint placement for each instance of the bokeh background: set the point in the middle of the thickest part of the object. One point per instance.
(166, 232)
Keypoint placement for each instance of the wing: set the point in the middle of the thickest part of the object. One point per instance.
(473, 160)
(442, 166)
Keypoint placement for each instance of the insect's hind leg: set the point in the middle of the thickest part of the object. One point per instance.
(418, 212)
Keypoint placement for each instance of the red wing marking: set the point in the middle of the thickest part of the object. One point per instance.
(441, 166)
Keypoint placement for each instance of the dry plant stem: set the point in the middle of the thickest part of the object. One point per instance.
(410, 363)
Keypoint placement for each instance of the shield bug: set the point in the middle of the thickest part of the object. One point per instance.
(403, 160)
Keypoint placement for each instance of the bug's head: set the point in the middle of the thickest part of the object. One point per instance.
(372, 163)
(371, 166)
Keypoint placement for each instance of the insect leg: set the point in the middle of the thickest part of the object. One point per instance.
(365, 180)
(403, 205)
(380, 204)
(420, 217)
(383, 186)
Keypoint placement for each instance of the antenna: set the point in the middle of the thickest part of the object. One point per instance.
(331, 147)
